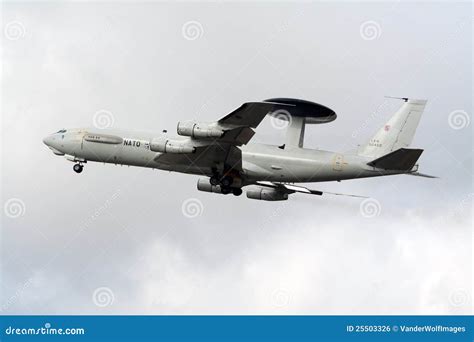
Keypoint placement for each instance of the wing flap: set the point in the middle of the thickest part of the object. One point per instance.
(237, 136)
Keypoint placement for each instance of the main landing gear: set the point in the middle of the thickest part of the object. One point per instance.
(237, 191)
(78, 167)
(225, 181)
(225, 184)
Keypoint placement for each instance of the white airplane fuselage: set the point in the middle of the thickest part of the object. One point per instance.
(260, 162)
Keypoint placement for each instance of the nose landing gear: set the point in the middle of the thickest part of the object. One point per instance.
(78, 167)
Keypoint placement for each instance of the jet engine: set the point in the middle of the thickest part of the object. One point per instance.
(266, 194)
(165, 145)
(199, 130)
(204, 185)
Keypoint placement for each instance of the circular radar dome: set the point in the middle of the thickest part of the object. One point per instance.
(314, 113)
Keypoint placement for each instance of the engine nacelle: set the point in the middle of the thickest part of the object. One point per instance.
(199, 130)
(204, 185)
(165, 145)
(266, 194)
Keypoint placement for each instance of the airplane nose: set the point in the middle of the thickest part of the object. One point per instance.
(52, 143)
(47, 140)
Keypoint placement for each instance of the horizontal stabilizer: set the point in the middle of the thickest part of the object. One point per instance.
(402, 159)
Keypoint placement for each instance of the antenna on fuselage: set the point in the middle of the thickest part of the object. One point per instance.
(398, 98)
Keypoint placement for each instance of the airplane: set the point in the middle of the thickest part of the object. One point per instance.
(220, 151)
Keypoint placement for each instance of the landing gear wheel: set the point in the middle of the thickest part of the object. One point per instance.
(226, 190)
(214, 180)
(227, 181)
(78, 168)
(237, 191)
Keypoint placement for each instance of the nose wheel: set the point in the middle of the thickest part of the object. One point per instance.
(78, 168)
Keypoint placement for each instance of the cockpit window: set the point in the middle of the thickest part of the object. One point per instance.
(61, 131)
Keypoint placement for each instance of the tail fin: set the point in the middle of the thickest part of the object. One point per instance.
(398, 132)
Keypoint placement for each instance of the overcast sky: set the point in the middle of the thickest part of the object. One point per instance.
(119, 240)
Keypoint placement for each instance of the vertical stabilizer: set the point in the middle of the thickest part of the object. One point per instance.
(398, 132)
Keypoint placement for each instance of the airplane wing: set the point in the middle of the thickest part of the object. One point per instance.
(243, 120)
(222, 152)
(290, 188)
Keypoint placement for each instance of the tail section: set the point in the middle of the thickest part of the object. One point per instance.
(398, 132)
(403, 159)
